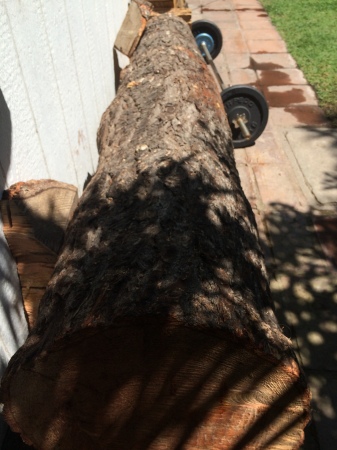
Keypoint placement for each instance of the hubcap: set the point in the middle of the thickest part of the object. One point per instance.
(209, 41)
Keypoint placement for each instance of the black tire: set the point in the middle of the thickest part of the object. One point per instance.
(210, 29)
(247, 100)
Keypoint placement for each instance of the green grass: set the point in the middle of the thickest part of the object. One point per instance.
(309, 28)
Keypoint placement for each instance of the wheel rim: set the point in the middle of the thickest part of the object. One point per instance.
(208, 32)
(207, 39)
(247, 101)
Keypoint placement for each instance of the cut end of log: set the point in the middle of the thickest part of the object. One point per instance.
(153, 384)
(35, 216)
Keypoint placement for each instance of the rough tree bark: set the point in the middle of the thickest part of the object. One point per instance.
(157, 329)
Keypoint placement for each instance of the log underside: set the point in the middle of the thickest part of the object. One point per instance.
(155, 385)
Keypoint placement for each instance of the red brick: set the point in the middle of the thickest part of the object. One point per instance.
(238, 60)
(222, 67)
(267, 46)
(230, 33)
(248, 15)
(220, 16)
(236, 45)
(280, 77)
(263, 25)
(242, 4)
(266, 150)
(257, 35)
(270, 61)
(248, 184)
(275, 186)
(219, 5)
(240, 156)
(284, 96)
(298, 115)
(243, 76)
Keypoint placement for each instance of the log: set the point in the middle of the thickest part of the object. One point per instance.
(35, 215)
(157, 329)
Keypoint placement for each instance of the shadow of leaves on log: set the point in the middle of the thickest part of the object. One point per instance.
(159, 257)
(158, 242)
(157, 328)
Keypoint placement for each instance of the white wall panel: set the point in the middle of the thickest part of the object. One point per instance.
(21, 153)
(106, 49)
(36, 59)
(86, 81)
(57, 77)
(61, 50)
(95, 52)
(60, 54)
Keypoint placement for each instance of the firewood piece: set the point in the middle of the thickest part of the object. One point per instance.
(133, 27)
(157, 328)
(35, 215)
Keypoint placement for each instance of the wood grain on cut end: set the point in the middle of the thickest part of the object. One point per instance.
(156, 385)
(35, 216)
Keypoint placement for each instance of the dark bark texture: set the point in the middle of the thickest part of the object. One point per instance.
(157, 328)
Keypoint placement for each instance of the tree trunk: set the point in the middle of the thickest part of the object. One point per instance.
(157, 328)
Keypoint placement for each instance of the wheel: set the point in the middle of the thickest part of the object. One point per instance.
(208, 32)
(249, 104)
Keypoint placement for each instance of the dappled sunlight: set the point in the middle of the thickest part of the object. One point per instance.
(304, 288)
(114, 355)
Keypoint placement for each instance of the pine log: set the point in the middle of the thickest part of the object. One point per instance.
(157, 329)
(35, 215)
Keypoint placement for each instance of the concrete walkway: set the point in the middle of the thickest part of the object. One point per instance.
(290, 178)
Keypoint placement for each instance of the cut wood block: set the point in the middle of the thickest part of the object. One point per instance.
(132, 27)
(35, 215)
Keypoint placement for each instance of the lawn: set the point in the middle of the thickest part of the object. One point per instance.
(309, 28)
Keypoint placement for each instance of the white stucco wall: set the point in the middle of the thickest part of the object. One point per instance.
(57, 76)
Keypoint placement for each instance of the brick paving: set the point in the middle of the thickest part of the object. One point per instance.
(297, 234)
